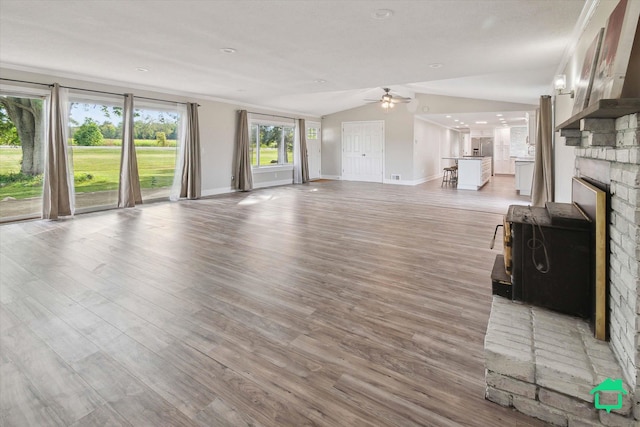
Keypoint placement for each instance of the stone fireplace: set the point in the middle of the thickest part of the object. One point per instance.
(609, 152)
(547, 364)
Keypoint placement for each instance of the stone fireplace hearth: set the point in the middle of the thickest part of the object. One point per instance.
(545, 364)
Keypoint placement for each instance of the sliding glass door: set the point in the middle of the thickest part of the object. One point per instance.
(94, 142)
(22, 124)
(156, 129)
(95, 138)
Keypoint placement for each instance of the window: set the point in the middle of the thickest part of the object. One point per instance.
(156, 139)
(94, 144)
(22, 124)
(312, 132)
(271, 144)
(95, 140)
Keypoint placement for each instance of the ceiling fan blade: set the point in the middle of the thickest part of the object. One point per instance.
(388, 96)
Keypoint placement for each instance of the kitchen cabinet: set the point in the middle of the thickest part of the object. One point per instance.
(473, 172)
(524, 176)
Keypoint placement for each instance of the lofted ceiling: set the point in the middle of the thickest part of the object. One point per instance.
(310, 57)
(463, 122)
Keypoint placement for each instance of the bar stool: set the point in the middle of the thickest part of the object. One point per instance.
(449, 175)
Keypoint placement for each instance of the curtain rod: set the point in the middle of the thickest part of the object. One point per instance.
(95, 91)
(91, 90)
(272, 115)
(162, 100)
(24, 81)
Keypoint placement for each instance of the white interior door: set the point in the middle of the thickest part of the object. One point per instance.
(363, 151)
(314, 147)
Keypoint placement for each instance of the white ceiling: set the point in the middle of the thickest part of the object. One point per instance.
(489, 49)
(480, 120)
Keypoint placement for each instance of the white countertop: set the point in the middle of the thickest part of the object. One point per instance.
(473, 157)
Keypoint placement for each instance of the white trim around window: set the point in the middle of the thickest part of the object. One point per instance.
(271, 169)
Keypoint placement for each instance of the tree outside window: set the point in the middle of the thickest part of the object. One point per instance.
(21, 156)
(271, 145)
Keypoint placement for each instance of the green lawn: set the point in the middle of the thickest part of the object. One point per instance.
(138, 142)
(95, 169)
(269, 156)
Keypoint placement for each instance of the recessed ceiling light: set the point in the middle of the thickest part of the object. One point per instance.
(481, 122)
(382, 14)
(142, 69)
(456, 120)
(227, 50)
(448, 117)
(498, 115)
(435, 65)
(319, 81)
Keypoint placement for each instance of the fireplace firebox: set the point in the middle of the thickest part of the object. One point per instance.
(554, 258)
(551, 258)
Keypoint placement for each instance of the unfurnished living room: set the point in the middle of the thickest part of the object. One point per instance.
(320, 212)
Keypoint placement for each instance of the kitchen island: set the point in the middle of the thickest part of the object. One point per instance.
(473, 172)
(524, 175)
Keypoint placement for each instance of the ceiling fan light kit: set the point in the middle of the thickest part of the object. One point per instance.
(388, 100)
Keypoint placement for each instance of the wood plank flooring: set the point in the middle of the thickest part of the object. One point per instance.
(329, 304)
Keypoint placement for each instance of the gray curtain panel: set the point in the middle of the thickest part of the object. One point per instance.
(129, 187)
(242, 169)
(542, 190)
(191, 173)
(304, 165)
(56, 198)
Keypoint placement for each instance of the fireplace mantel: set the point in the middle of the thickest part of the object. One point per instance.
(603, 109)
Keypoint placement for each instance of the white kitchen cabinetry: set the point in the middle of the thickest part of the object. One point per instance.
(524, 176)
(473, 172)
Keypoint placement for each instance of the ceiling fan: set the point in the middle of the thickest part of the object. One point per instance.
(388, 100)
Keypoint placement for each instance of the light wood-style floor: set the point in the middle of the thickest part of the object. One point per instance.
(330, 304)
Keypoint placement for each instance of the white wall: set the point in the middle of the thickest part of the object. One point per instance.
(440, 104)
(398, 134)
(217, 129)
(564, 157)
(431, 143)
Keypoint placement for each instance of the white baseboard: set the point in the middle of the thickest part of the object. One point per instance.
(432, 177)
(397, 181)
(394, 181)
(273, 183)
(216, 191)
(407, 182)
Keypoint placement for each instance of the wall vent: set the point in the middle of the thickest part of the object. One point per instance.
(395, 177)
